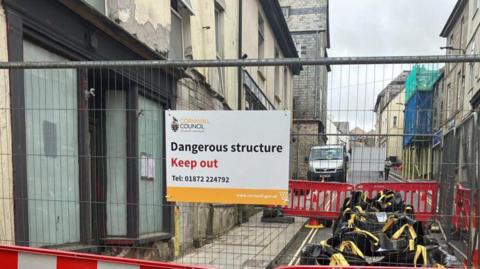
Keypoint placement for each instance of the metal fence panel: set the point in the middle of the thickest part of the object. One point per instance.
(75, 138)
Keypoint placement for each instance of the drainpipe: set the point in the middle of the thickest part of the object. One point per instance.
(242, 212)
(240, 69)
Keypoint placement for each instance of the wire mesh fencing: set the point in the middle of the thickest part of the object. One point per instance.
(82, 153)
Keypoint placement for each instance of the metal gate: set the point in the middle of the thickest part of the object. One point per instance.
(82, 154)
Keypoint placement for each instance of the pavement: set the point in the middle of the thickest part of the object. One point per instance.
(250, 245)
(357, 177)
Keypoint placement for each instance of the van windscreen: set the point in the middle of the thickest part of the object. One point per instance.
(326, 154)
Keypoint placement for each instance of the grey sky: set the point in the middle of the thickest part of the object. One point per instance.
(378, 28)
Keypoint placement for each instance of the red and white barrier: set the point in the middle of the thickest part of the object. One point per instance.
(14, 257)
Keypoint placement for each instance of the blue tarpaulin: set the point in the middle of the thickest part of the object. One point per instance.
(418, 116)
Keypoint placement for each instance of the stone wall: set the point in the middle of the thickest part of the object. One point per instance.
(310, 87)
(199, 223)
(305, 134)
(194, 93)
(307, 21)
(306, 14)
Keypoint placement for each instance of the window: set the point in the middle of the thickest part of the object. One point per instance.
(180, 34)
(116, 161)
(176, 37)
(286, 12)
(450, 101)
(51, 135)
(276, 81)
(303, 51)
(450, 43)
(461, 90)
(99, 5)
(441, 113)
(261, 43)
(395, 121)
(219, 29)
(150, 137)
(285, 87)
(261, 37)
(298, 46)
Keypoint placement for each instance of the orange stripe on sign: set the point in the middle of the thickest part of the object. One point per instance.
(227, 196)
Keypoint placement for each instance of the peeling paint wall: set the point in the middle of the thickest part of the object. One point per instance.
(7, 233)
(148, 20)
(202, 27)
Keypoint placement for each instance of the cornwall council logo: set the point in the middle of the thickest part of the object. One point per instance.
(175, 124)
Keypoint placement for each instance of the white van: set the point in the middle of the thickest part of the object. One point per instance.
(328, 163)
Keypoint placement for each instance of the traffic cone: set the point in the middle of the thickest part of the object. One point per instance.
(314, 223)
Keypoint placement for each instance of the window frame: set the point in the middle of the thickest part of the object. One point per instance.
(298, 46)
(180, 17)
(276, 78)
(261, 37)
(286, 11)
(219, 31)
(285, 87)
(261, 44)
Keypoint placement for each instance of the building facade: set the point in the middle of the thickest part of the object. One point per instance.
(217, 29)
(439, 115)
(361, 138)
(418, 121)
(68, 161)
(389, 109)
(74, 177)
(308, 22)
(337, 133)
(461, 93)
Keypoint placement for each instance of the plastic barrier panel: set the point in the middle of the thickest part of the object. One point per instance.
(421, 195)
(463, 207)
(316, 199)
(13, 257)
(345, 267)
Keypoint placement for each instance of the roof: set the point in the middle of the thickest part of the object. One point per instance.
(453, 18)
(399, 80)
(357, 131)
(273, 13)
(379, 99)
(342, 126)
